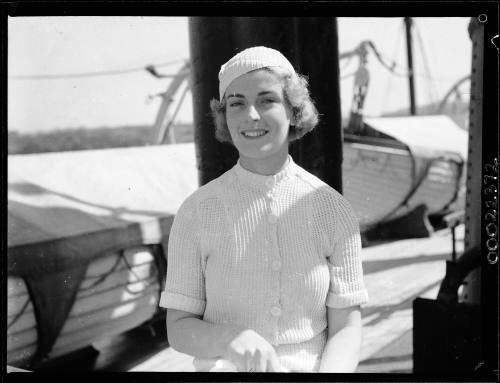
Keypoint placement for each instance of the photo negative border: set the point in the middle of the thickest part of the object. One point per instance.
(486, 10)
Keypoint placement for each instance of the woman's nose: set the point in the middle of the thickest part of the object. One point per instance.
(253, 113)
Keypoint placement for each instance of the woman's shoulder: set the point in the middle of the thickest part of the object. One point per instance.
(211, 190)
(324, 196)
(318, 186)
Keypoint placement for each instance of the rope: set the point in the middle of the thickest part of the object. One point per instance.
(431, 88)
(20, 313)
(415, 185)
(393, 64)
(388, 92)
(93, 74)
(347, 75)
(454, 89)
(103, 277)
(174, 115)
(349, 59)
(129, 267)
(381, 59)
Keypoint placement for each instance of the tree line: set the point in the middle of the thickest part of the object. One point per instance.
(63, 140)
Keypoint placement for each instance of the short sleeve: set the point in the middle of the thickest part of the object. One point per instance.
(185, 285)
(347, 286)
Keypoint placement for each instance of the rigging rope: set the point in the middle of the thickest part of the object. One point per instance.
(382, 61)
(94, 74)
(389, 82)
(431, 82)
(347, 75)
(148, 282)
(349, 59)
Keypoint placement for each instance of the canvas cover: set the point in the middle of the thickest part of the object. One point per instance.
(426, 136)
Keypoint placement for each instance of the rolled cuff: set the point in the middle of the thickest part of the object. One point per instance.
(182, 302)
(347, 300)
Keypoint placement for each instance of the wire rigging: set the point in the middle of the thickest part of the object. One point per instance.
(393, 64)
(431, 86)
(388, 89)
(382, 59)
(347, 75)
(348, 61)
(95, 74)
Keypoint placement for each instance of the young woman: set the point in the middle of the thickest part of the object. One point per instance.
(264, 262)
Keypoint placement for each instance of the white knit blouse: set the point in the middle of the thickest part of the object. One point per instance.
(269, 253)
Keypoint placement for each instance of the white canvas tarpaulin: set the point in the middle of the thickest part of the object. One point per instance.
(424, 135)
(60, 195)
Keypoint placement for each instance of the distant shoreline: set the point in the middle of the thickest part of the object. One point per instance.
(62, 140)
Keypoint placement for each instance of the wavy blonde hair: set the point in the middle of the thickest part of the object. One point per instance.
(296, 94)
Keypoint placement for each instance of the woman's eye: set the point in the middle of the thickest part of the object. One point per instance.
(235, 103)
(267, 101)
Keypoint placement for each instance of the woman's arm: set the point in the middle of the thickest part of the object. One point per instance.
(189, 334)
(246, 349)
(341, 353)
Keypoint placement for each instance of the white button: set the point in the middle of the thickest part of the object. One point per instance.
(276, 265)
(272, 219)
(270, 182)
(269, 195)
(275, 311)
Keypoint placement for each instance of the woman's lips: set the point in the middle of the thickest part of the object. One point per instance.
(254, 133)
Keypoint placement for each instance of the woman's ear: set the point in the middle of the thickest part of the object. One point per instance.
(292, 133)
(294, 117)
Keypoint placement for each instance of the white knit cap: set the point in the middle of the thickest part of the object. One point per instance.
(248, 60)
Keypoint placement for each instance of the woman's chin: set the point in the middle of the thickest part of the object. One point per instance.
(257, 154)
(260, 151)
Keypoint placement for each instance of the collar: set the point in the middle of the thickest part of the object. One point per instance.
(260, 181)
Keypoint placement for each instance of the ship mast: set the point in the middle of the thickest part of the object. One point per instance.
(408, 24)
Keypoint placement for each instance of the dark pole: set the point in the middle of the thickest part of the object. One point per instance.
(408, 23)
(210, 47)
(272, 32)
(215, 40)
(320, 151)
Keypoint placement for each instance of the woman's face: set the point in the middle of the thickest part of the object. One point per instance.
(257, 115)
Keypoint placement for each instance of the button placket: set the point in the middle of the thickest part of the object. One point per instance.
(273, 216)
(274, 259)
(276, 311)
(276, 265)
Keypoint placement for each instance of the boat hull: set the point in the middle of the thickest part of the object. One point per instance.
(379, 183)
(119, 292)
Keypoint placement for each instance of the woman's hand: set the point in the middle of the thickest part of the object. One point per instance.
(250, 352)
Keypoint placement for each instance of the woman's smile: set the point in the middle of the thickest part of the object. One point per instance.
(254, 133)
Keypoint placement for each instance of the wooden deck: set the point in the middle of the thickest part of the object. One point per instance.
(395, 274)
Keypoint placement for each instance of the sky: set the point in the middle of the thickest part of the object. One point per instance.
(46, 46)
